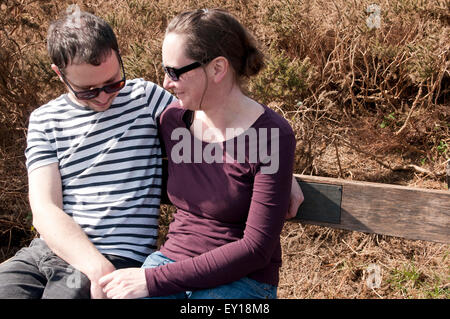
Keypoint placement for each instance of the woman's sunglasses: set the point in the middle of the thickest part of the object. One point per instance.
(174, 74)
(91, 94)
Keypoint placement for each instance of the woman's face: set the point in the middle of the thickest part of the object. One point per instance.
(191, 85)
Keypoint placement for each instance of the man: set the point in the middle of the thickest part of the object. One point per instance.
(94, 166)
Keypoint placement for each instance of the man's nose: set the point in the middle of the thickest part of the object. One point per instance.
(103, 97)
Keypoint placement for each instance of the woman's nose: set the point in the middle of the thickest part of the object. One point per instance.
(168, 82)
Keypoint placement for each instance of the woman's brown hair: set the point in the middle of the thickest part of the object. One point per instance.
(211, 33)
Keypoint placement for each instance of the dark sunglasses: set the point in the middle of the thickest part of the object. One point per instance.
(174, 74)
(91, 94)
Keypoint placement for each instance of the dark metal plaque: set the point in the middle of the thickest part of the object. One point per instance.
(322, 202)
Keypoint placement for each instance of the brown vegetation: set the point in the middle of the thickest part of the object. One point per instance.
(367, 101)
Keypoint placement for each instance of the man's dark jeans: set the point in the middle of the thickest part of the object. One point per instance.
(36, 272)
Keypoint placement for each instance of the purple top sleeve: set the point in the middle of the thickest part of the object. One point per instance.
(229, 212)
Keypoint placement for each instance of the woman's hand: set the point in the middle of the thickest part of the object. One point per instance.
(127, 283)
(296, 200)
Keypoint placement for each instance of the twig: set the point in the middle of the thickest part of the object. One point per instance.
(373, 290)
(415, 168)
(444, 286)
(412, 109)
(355, 252)
(338, 160)
(448, 174)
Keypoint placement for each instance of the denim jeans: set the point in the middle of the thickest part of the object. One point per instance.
(36, 272)
(245, 288)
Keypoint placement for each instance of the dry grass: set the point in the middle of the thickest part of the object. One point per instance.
(330, 263)
(366, 104)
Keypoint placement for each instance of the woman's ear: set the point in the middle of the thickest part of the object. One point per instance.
(219, 68)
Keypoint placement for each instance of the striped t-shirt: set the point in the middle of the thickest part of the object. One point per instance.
(110, 164)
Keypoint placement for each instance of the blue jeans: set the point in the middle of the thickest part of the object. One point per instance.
(244, 288)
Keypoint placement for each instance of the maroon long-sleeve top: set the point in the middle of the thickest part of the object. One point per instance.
(230, 212)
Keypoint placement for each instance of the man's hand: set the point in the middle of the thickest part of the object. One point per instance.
(97, 271)
(97, 291)
(296, 199)
(125, 284)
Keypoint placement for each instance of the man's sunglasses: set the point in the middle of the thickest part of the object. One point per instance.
(91, 94)
(174, 74)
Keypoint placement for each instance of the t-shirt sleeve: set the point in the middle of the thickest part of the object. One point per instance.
(232, 261)
(40, 150)
(157, 99)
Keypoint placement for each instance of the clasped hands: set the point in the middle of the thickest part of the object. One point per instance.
(127, 283)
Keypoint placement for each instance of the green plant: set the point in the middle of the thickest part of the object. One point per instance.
(438, 290)
(387, 120)
(412, 282)
(442, 148)
(405, 278)
(284, 79)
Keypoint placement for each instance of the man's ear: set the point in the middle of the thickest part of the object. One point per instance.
(220, 67)
(57, 71)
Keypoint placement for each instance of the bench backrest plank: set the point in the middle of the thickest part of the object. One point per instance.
(401, 211)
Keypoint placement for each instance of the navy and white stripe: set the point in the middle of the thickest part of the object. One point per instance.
(110, 164)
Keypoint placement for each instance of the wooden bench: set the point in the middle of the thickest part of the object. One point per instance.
(411, 213)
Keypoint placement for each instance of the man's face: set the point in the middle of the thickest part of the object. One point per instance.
(83, 77)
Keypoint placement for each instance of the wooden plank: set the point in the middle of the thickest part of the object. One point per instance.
(401, 211)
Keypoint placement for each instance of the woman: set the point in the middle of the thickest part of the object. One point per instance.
(227, 178)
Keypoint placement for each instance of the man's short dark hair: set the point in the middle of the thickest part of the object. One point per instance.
(80, 37)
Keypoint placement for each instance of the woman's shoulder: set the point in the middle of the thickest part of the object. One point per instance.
(271, 119)
(172, 111)
(173, 117)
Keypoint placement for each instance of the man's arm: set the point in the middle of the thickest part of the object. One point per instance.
(61, 233)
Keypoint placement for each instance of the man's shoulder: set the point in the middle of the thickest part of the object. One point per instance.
(52, 106)
(139, 84)
(137, 88)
